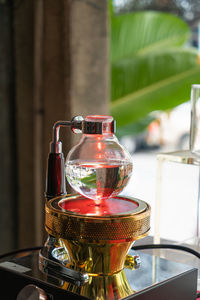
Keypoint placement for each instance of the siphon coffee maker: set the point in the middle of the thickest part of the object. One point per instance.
(91, 232)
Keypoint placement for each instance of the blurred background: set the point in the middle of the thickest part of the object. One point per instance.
(135, 60)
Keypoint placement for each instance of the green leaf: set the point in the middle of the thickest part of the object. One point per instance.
(143, 32)
(133, 74)
(167, 83)
(89, 181)
(150, 68)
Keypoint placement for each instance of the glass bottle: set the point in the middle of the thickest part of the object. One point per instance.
(98, 167)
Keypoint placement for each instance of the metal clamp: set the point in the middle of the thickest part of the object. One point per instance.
(57, 270)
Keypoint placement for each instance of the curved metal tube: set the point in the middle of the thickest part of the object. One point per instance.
(56, 129)
(76, 126)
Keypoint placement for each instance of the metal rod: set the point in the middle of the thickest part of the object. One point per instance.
(56, 129)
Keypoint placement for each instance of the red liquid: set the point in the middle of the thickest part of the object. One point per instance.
(110, 206)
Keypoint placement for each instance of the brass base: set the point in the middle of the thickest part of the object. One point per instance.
(95, 245)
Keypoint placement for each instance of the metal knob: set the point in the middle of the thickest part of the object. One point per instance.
(31, 292)
(132, 262)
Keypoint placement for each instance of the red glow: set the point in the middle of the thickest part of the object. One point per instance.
(99, 146)
(110, 206)
(101, 117)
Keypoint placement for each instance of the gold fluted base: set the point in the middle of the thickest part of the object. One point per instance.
(112, 287)
(97, 244)
(96, 259)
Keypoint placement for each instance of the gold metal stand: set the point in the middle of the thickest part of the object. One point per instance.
(98, 245)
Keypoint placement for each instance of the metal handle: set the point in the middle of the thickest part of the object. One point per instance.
(57, 270)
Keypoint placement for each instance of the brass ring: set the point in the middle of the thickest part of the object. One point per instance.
(68, 225)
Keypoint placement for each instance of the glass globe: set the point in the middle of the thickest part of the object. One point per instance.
(98, 167)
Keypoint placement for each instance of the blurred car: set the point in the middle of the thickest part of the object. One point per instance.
(171, 129)
(168, 130)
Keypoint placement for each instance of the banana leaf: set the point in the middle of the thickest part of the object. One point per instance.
(151, 68)
(143, 32)
(169, 86)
